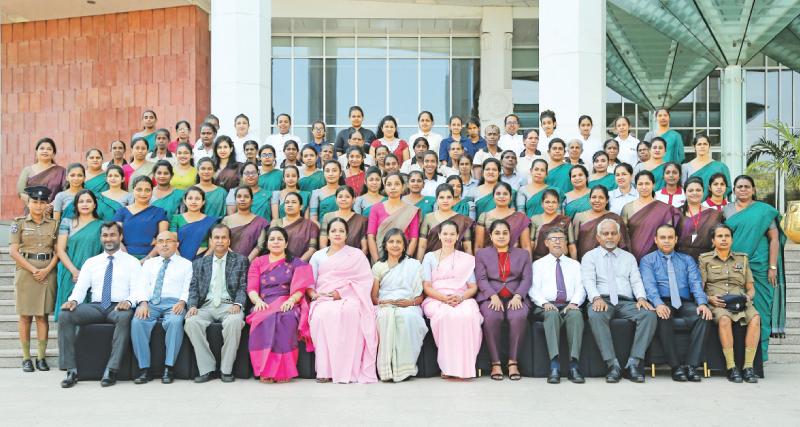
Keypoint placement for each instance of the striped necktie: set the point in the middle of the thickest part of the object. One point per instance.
(160, 282)
(105, 301)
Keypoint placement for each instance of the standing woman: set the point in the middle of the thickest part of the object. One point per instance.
(117, 195)
(456, 127)
(380, 156)
(703, 166)
(215, 196)
(420, 146)
(558, 170)
(387, 134)
(182, 135)
(371, 193)
(117, 155)
(227, 174)
(461, 205)
(465, 169)
(416, 183)
(141, 222)
(193, 226)
(318, 132)
(454, 155)
(303, 233)
(291, 176)
(262, 200)
(589, 143)
(518, 222)
(757, 232)
(397, 291)
(324, 200)
(448, 280)
(241, 125)
(248, 230)
(165, 196)
(95, 179)
(600, 174)
(185, 172)
(291, 153)
(431, 178)
(584, 225)
(642, 152)
(656, 164)
(482, 195)
(425, 122)
(672, 193)
(431, 224)
(161, 152)
(529, 197)
(644, 215)
(628, 143)
(543, 222)
(575, 151)
(326, 153)
(390, 165)
(276, 285)
(43, 172)
(392, 213)
(342, 317)
(624, 193)
(696, 223)
(32, 246)
(78, 240)
(577, 200)
(250, 149)
(354, 174)
(62, 203)
(673, 141)
(271, 177)
(717, 195)
(530, 153)
(356, 224)
(611, 147)
(138, 166)
(148, 132)
(312, 176)
(504, 277)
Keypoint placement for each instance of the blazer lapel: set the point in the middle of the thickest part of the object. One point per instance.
(229, 268)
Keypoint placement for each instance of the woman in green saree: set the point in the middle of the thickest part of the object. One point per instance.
(558, 169)
(312, 176)
(703, 166)
(248, 176)
(323, 200)
(461, 205)
(215, 195)
(481, 194)
(165, 196)
(757, 233)
(271, 177)
(291, 176)
(117, 195)
(673, 141)
(148, 132)
(600, 175)
(138, 166)
(416, 182)
(95, 179)
(62, 203)
(577, 200)
(529, 197)
(656, 164)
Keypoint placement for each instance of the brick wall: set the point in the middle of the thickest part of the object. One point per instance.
(85, 81)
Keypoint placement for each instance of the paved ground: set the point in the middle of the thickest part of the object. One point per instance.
(36, 399)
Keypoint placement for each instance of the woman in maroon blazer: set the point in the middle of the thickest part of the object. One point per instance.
(504, 277)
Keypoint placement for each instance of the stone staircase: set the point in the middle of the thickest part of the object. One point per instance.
(787, 350)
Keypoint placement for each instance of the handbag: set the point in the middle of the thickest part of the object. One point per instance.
(734, 303)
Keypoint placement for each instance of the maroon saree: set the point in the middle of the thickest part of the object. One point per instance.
(301, 233)
(244, 238)
(700, 226)
(463, 223)
(643, 224)
(52, 178)
(586, 238)
(560, 221)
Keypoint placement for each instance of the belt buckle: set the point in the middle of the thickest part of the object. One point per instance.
(41, 257)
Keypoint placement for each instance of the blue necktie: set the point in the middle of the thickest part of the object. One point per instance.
(160, 282)
(674, 294)
(105, 301)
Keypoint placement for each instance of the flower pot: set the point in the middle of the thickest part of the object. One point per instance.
(791, 222)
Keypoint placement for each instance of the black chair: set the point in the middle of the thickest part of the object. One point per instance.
(622, 335)
(241, 365)
(541, 358)
(184, 362)
(93, 348)
(715, 358)
(655, 353)
(305, 362)
(427, 364)
(524, 353)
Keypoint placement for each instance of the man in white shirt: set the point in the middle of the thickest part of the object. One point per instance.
(162, 289)
(558, 294)
(510, 140)
(110, 276)
(205, 146)
(279, 139)
(491, 150)
(509, 174)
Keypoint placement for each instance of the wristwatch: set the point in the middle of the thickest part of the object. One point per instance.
(773, 267)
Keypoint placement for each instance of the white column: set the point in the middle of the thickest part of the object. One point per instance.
(732, 119)
(572, 63)
(495, 100)
(241, 53)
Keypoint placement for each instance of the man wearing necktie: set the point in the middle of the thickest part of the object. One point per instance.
(614, 286)
(217, 293)
(162, 290)
(558, 294)
(674, 286)
(110, 276)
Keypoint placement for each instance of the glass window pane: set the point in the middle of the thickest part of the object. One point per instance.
(403, 90)
(403, 47)
(281, 87)
(435, 88)
(525, 58)
(756, 61)
(525, 87)
(786, 96)
(701, 117)
(796, 99)
(373, 47)
(755, 98)
(466, 87)
(643, 119)
(307, 91)
(372, 90)
(282, 47)
(340, 46)
(681, 114)
(772, 95)
(340, 90)
(435, 46)
(466, 46)
(714, 99)
(307, 46)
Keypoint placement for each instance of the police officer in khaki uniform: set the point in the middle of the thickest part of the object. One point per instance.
(32, 246)
(728, 273)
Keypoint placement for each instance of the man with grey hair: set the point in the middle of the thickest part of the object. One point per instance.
(614, 286)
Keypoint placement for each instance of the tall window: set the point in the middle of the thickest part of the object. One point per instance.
(525, 71)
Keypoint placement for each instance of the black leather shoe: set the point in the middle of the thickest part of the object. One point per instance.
(144, 377)
(693, 375)
(227, 378)
(613, 374)
(575, 376)
(635, 374)
(679, 374)
(71, 379)
(749, 375)
(208, 376)
(109, 378)
(168, 377)
(27, 366)
(734, 375)
(41, 365)
(554, 377)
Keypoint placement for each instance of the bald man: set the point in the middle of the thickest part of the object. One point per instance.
(162, 289)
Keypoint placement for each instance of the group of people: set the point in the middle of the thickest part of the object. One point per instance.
(350, 246)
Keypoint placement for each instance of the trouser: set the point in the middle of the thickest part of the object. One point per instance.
(645, 327)
(85, 314)
(666, 334)
(232, 325)
(553, 321)
(141, 329)
(493, 322)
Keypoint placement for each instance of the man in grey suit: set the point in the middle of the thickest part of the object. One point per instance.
(217, 294)
(614, 286)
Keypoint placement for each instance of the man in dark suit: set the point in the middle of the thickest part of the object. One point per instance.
(217, 294)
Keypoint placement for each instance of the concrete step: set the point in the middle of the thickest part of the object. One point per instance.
(7, 292)
(784, 353)
(12, 358)
(792, 338)
(10, 340)
(7, 306)
(8, 323)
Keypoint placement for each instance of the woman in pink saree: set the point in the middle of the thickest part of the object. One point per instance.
(448, 279)
(276, 285)
(342, 317)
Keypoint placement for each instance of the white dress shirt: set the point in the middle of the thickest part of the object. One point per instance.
(434, 140)
(524, 164)
(515, 180)
(407, 167)
(595, 272)
(176, 278)
(238, 146)
(545, 290)
(216, 270)
(277, 140)
(544, 140)
(429, 189)
(618, 200)
(482, 155)
(199, 151)
(590, 146)
(627, 150)
(676, 200)
(511, 142)
(93, 273)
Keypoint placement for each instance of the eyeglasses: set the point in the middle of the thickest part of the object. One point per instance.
(267, 155)
(557, 239)
(512, 123)
(250, 173)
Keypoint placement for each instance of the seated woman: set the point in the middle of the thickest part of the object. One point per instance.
(248, 176)
(324, 200)
(584, 225)
(416, 183)
(248, 230)
(448, 280)
(529, 197)
(600, 174)
(549, 218)
(518, 222)
(342, 317)
(461, 204)
(672, 193)
(431, 225)
(696, 222)
(482, 194)
(193, 226)
(140, 221)
(276, 285)
(356, 224)
(726, 273)
(291, 175)
(165, 196)
(504, 278)
(303, 233)
(371, 193)
(397, 291)
(644, 215)
(393, 213)
(577, 200)
(215, 196)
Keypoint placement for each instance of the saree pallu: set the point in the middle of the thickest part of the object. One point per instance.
(456, 330)
(171, 203)
(301, 233)
(146, 169)
(150, 138)
(228, 177)
(702, 233)
(356, 230)
(608, 181)
(658, 174)
(531, 204)
(674, 152)
(53, 178)
(705, 173)
(97, 184)
(271, 181)
(139, 230)
(261, 204)
(192, 235)
(750, 226)
(558, 177)
(642, 226)
(244, 238)
(465, 207)
(327, 205)
(344, 331)
(312, 182)
(215, 202)
(402, 219)
(484, 204)
(304, 196)
(274, 334)
(581, 204)
(586, 234)
(356, 182)
(425, 205)
(81, 245)
(107, 207)
(518, 223)
(401, 330)
(464, 225)
(540, 250)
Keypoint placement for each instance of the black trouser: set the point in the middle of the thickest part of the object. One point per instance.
(666, 334)
(88, 313)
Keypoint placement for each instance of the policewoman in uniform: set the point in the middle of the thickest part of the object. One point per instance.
(728, 283)
(32, 246)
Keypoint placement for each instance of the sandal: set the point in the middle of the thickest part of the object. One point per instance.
(323, 380)
(513, 377)
(497, 377)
